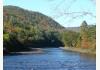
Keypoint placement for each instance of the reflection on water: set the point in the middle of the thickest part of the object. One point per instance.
(51, 59)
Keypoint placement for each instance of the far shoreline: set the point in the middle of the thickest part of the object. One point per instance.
(79, 50)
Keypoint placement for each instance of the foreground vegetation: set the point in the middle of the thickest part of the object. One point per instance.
(24, 30)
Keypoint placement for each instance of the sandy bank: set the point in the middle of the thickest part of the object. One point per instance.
(80, 50)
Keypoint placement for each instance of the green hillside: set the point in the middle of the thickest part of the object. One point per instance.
(24, 29)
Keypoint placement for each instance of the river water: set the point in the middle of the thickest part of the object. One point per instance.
(50, 59)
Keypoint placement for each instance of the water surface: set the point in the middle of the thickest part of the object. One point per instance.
(50, 59)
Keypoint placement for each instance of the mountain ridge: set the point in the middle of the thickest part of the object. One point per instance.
(26, 16)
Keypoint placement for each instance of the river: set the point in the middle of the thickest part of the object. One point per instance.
(50, 59)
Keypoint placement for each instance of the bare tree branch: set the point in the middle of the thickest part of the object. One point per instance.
(72, 15)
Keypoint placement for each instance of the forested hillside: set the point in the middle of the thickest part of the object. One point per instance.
(25, 29)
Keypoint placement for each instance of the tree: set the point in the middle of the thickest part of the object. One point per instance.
(69, 38)
(84, 35)
(92, 37)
